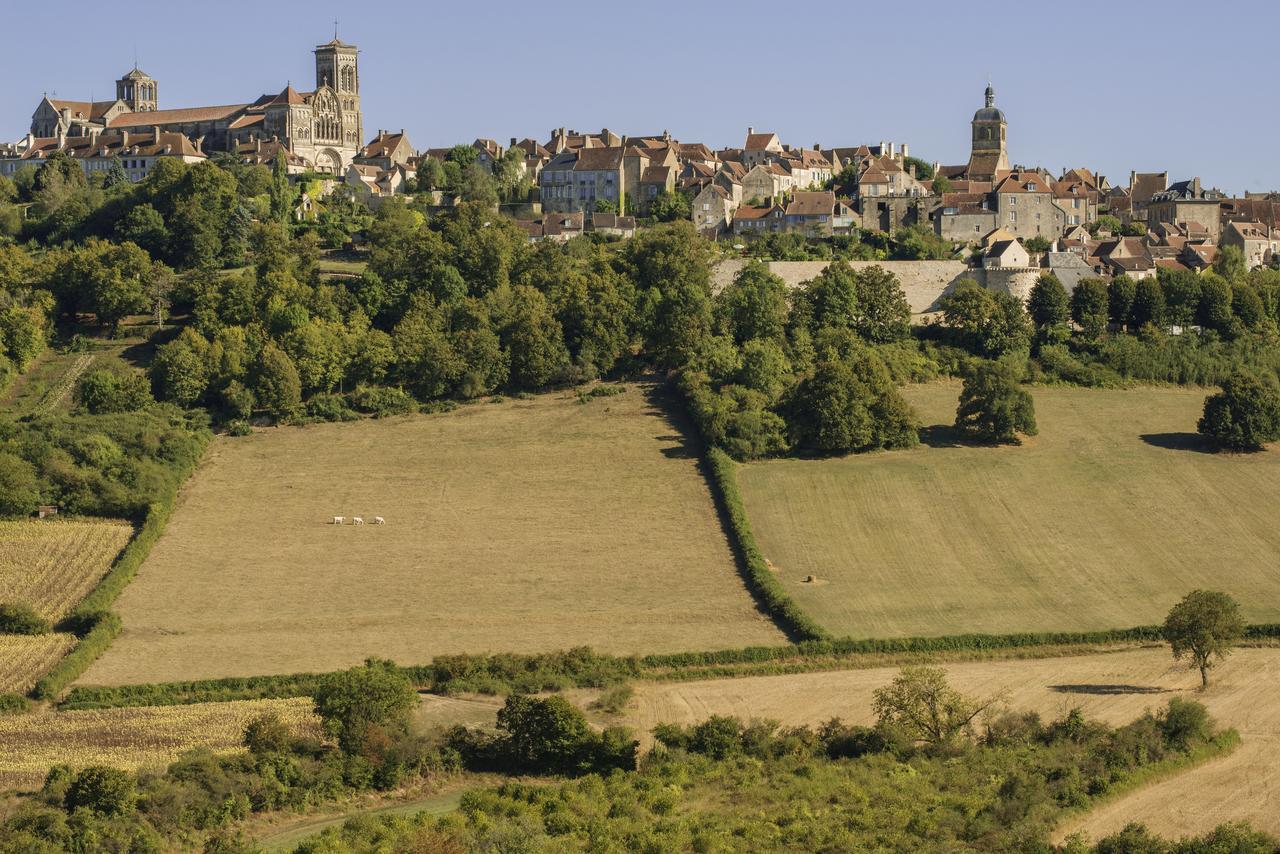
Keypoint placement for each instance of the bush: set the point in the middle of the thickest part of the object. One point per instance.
(105, 390)
(381, 401)
(13, 704)
(353, 701)
(1185, 723)
(267, 734)
(107, 791)
(329, 407)
(19, 618)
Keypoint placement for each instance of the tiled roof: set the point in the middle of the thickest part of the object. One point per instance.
(812, 204)
(91, 110)
(760, 141)
(173, 117)
(599, 159)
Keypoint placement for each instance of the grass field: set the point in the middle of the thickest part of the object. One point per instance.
(524, 525)
(1113, 687)
(147, 737)
(26, 658)
(48, 385)
(51, 564)
(1102, 521)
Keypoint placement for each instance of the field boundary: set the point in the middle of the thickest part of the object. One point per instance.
(583, 668)
(765, 588)
(96, 626)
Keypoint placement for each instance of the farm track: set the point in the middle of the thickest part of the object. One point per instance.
(60, 391)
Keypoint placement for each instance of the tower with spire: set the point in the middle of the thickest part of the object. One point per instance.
(988, 154)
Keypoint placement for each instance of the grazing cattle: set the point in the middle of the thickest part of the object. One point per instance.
(378, 520)
(338, 520)
(356, 520)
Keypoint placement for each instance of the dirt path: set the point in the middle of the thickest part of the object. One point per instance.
(1114, 687)
(54, 397)
(287, 837)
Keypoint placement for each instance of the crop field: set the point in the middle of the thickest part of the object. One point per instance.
(1114, 687)
(148, 737)
(52, 564)
(523, 526)
(1104, 520)
(26, 658)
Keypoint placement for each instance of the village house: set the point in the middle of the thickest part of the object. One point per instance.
(581, 180)
(613, 225)
(1187, 202)
(759, 219)
(386, 151)
(1257, 243)
(560, 227)
(136, 152)
(811, 213)
(766, 182)
(760, 148)
(1006, 253)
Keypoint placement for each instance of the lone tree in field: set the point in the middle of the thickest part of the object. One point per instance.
(922, 706)
(993, 406)
(1244, 416)
(1203, 626)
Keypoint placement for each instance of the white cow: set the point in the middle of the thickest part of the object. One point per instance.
(378, 520)
(356, 520)
(338, 520)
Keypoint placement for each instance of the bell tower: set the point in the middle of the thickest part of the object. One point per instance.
(338, 67)
(139, 91)
(988, 154)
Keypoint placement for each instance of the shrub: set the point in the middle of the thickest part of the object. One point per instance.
(267, 734)
(103, 790)
(1185, 723)
(613, 700)
(105, 390)
(381, 401)
(19, 488)
(19, 618)
(13, 704)
(352, 701)
(329, 407)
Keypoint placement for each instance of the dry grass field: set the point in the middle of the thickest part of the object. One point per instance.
(52, 564)
(519, 526)
(26, 658)
(134, 738)
(1102, 521)
(1114, 687)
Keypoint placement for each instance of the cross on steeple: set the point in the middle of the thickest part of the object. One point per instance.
(335, 29)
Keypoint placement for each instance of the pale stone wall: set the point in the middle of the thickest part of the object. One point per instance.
(1016, 281)
(924, 282)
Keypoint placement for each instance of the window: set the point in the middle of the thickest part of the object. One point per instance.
(706, 206)
(1013, 200)
(1013, 216)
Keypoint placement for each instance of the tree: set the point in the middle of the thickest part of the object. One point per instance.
(922, 706)
(180, 370)
(1247, 306)
(1037, 244)
(19, 489)
(671, 266)
(144, 226)
(533, 338)
(1106, 222)
(881, 313)
(754, 305)
(1121, 293)
(1091, 306)
(430, 175)
(920, 243)
(993, 406)
(670, 206)
(849, 403)
(352, 701)
(1181, 290)
(1214, 311)
(279, 192)
(104, 390)
(941, 185)
(989, 324)
(1229, 263)
(1048, 303)
(1203, 627)
(478, 185)
(276, 385)
(1148, 304)
(544, 734)
(1244, 416)
(924, 169)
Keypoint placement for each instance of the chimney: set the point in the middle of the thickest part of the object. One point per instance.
(750, 130)
(904, 151)
(513, 142)
(155, 133)
(124, 139)
(402, 131)
(817, 146)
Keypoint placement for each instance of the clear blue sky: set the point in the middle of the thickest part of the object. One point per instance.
(1097, 84)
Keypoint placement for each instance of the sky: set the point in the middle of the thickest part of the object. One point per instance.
(1112, 86)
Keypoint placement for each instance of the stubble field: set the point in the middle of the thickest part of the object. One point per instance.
(519, 526)
(52, 564)
(1104, 520)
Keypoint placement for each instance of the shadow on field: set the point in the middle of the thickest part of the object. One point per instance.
(943, 436)
(1178, 442)
(682, 444)
(1108, 689)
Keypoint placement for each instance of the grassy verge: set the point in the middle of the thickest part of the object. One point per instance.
(763, 584)
(582, 668)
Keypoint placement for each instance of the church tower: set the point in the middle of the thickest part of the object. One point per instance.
(337, 124)
(139, 91)
(988, 154)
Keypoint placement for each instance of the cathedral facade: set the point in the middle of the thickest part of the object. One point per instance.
(323, 127)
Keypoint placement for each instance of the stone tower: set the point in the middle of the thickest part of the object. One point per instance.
(988, 154)
(139, 91)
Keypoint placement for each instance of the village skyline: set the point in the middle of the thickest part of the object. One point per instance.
(909, 84)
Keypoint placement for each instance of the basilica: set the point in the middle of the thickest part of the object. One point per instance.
(322, 129)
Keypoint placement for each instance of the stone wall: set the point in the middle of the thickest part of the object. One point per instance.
(1016, 281)
(924, 282)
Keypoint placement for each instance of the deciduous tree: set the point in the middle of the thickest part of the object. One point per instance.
(1203, 627)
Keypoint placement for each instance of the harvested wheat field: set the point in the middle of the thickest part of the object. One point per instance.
(132, 738)
(51, 564)
(1114, 687)
(26, 658)
(1104, 520)
(518, 526)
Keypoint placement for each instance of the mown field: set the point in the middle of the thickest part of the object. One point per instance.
(26, 658)
(1104, 520)
(148, 737)
(51, 564)
(524, 525)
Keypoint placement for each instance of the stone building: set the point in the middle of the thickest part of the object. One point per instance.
(325, 126)
(1186, 202)
(988, 152)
